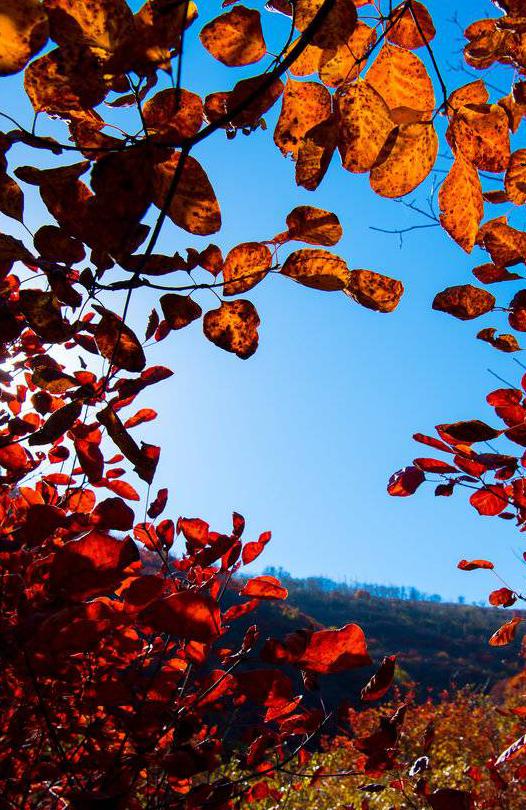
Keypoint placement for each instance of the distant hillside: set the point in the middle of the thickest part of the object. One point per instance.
(439, 645)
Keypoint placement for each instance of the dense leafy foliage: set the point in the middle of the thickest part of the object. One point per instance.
(119, 684)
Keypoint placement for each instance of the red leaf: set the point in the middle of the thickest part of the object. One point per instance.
(264, 588)
(502, 597)
(472, 565)
(157, 506)
(490, 500)
(381, 681)
(405, 482)
(433, 465)
(186, 614)
(324, 651)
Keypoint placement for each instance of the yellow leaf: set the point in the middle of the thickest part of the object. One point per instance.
(24, 31)
(235, 38)
(461, 203)
(344, 63)
(410, 154)
(245, 266)
(318, 269)
(374, 291)
(364, 126)
(194, 206)
(305, 104)
(401, 79)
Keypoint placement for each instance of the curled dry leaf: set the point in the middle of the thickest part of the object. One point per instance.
(506, 245)
(318, 269)
(314, 226)
(305, 104)
(504, 343)
(233, 327)
(402, 80)
(405, 482)
(406, 159)
(245, 266)
(461, 203)
(412, 26)
(374, 291)
(381, 681)
(515, 179)
(179, 310)
(235, 38)
(24, 31)
(505, 635)
(464, 301)
(194, 206)
(364, 125)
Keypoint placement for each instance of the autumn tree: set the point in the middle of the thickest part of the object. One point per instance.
(119, 685)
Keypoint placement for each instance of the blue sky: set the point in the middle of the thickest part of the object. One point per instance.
(302, 437)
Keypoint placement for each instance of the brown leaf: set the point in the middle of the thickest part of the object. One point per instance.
(118, 343)
(461, 203)
(481, 133)
(374, 291)
(381, 681)
(318, 269)
(57, 424)
(245, 266)
(64, 81)
(24, 31)
(343, 63)
(464, 301)
(413, 28)
(102, 25)
(179, 310)
(11, 198)
(515, 179)
(305, 104)
(54, 245)
(315, 154)
(173, 114)
(144, 458)
(235, 38)
(490, 274)
(43, 313)
(364, 126)
(248, 101)
(337, 25)
(504, 343)
(314, 226)
(233, 327)
(467, 432)
(402, 80)
(194, 206)
(506, 245)
(406, 160)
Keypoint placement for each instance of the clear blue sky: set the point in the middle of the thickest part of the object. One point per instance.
(302, 437)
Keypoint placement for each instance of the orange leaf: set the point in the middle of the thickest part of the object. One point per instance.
(402, 80)
(233, 327)
(143, 415)
(315, 153)
(324, 652)
(194, 206)
(472, 93)
(173, 114)
(406, 160)
(314, 226)
(504, 343)
(364, 126)
(24, 31)
(506, 245)
(343, 64)
(413, 28)
(515, 179)
(305, 104)
(481, 133)
(374, 291)
(102, 25)
(337, 25)
(461, 203)
(245, 266)
(472, 565)
(464, 301)
(235, 38)
(318, 269)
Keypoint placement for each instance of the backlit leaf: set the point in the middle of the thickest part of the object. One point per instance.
(481, 133)
(245, 266)
(186, 614)
(381, 681)
(374, 291)
(504, 343)
(461, 203)
(233, 327)
(413, 28)
(405, 482)
(344, 62)
(118, 344)
(364, 126)
(502, 597)
(504, 636)
(464, 301)
(317, 268)
(472, 565)
(314, 226)
(174, 115)
(515, 179)
(179, 310)
(194, 206)
(337, 26)
(467, 432)
(24, 31)
(265, 587)
(406, 159)
(324, 651)
(402, 80)
(235, 38)
(489, 500)
(305, 104)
